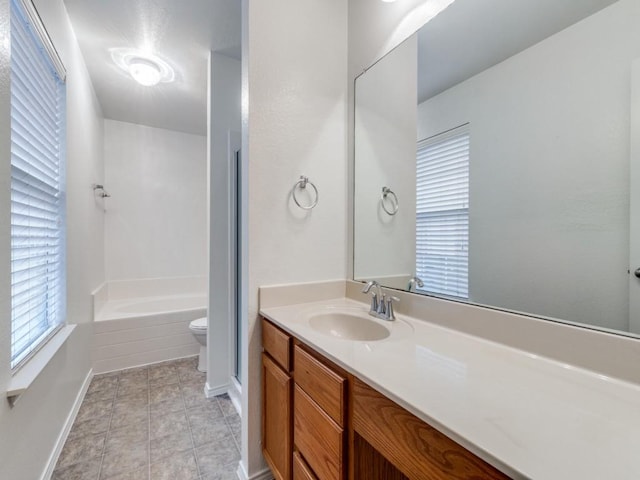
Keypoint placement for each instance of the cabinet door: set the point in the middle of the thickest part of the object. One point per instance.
(301, 470)
(276, 418)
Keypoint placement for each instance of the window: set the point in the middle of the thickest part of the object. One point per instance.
(37, 184)
(442, 213)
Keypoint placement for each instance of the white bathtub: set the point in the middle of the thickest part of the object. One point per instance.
(135, 327)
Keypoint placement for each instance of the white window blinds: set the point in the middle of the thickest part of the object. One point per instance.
(37, 185)
(442, 211)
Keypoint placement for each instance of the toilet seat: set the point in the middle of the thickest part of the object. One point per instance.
(199, 324)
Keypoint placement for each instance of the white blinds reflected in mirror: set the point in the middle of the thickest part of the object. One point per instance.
(442, 213)
(546, 92)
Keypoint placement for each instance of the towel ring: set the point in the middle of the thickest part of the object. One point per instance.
(387, 193)
(302, 183)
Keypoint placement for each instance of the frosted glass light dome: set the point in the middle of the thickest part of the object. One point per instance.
(146, 69)
(145, 72)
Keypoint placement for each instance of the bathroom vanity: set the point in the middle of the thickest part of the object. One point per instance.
(321, 422)
(349, 396)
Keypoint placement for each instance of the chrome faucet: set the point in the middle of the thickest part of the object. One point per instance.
(415, 280)
(381, 305)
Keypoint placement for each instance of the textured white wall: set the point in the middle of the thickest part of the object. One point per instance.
(385, 155)
(294, 101)
(156, 218)
(28, 431)
(224, 117)
(549, 171)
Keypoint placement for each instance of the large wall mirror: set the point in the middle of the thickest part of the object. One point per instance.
(495, 152)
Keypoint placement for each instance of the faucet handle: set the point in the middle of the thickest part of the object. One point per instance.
(389, 314)
(382, 305)
(368, 286)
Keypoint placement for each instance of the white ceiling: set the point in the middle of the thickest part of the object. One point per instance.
(471, 36)
(181, 32)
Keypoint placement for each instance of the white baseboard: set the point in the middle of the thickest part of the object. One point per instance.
(62, 438)
(235, 394)
(262, 475)
(211, 392)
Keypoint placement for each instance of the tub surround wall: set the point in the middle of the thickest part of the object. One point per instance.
(156, 224)
(32, 431)
(151, 287)
(294, 101)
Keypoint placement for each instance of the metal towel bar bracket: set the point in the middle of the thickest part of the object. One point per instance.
(101, 191)
(302, 184)
(388, 194)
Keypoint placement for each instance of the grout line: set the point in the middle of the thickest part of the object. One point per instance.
(106, 437)
(186, 413)
(148, 426)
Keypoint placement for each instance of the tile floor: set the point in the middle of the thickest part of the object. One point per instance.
(152, 423)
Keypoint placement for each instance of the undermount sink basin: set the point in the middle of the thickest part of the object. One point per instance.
(348, 326)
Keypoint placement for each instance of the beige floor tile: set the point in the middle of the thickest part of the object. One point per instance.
(214, 457)
(163, 447)
(141, 473)
(132, 386)
(213, 430)
(86, 470)
(179, 465)
(81, 449)
(226, 405)
(91, 426)
(95, 409)
(124, 460)
(228, 472)
(125, 415)
(164, 392)
(129, 437)
(100, 383)
(164, 424)
(167, 406)
(135, 398)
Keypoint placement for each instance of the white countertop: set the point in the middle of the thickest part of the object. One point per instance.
(529, 416)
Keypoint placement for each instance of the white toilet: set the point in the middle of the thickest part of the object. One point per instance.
(199, 329)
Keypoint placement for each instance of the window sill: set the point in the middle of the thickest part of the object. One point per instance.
(23, 379)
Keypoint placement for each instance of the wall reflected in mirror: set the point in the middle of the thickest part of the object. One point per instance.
(505, 129)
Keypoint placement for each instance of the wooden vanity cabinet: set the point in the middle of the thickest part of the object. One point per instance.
(321, 423)
(277, 446)
(392, 443)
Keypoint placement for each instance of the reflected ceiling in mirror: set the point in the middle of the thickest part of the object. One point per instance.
(506, 131)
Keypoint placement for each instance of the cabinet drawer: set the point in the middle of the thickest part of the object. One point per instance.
(418, 450)
(301, 470)
(277, 344)
(322, 384)
(317, 437)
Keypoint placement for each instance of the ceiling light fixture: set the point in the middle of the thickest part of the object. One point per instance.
(147, 70)
(144, 72)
